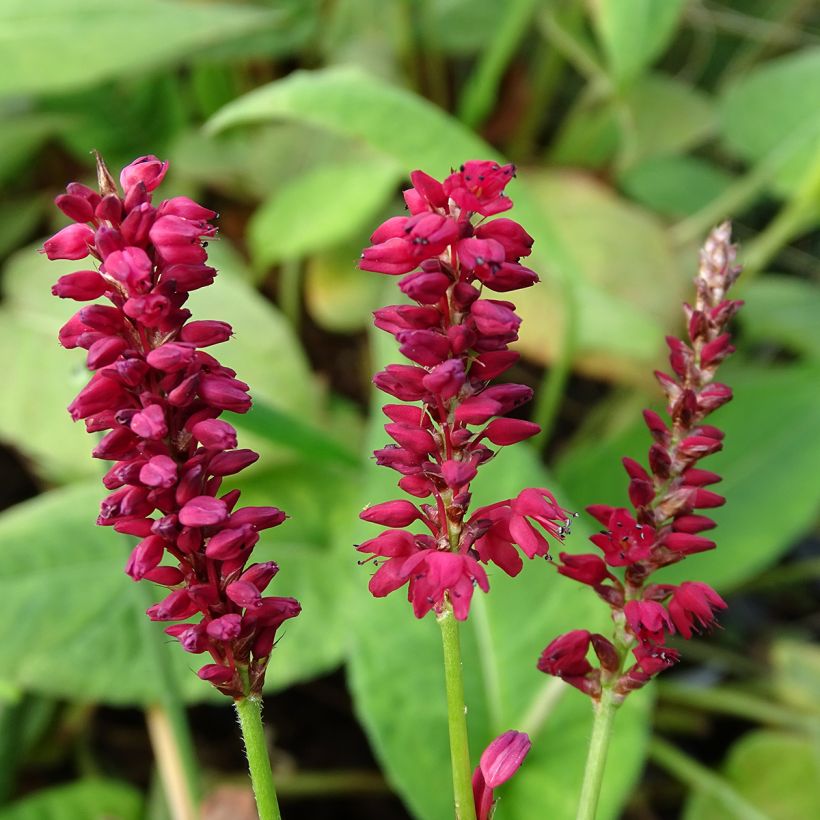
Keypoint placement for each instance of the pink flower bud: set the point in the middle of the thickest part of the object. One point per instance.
(147, 170)
(132, 267)
(232, 462)
(171, 357)
(215, 434)
(159, 471)
(150, 423)
(446, 379)
(205, 333)
(510, 431)
(243, 594)
(72, 242)
(186, 208)
(225, 628)
(83, 286)
(503, 757)
(216, 674)
(391, 513)
(203, 511)
(225, 393)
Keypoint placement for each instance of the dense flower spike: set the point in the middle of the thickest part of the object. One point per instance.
(159, 395)
(447, 253)
(664, 525)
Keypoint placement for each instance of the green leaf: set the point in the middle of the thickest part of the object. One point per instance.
(52, 46)
(634, 33)
(675, 186)
(630, 260)
(657, 116)
(667, 116)
(396, 672)
(322, 207)
(416, 134)
(89, 799)
(775, 105)
(775, 771)
(42, 378)
(783, 310)
(79, 619)
(768, 463)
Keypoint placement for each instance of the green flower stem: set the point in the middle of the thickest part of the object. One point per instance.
(249, 711)
(596, 757)
(457, 717)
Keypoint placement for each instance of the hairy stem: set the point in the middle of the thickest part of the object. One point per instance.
(249, 711)
(457, 717)
(596, 757)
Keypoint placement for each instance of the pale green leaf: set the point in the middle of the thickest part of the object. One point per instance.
(623, 252)
(322, 207)
(675, 186)
(634, 33)
(770, 107)
(783, 310)
(775, 771)
(53, 45)
(90, 799)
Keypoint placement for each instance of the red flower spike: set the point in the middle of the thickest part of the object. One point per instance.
(457, 342)
(157, 395)
(665, 527)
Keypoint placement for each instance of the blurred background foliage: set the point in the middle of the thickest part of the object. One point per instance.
(636, 125)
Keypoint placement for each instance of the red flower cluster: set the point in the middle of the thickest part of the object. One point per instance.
(457, 343)
(665, 523)
(159, 394)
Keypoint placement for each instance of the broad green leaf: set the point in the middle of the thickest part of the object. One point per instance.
(634, 33)
(396, 672)
(630, 260)
(339, 296)
(655, 117)
(89, 799)
(783, 310)
(460, 27)
(42, 378)
(667, 116)
(322, 207)
(768, 463)
(416, 134)
(80, 628)
(53, 45)
(775, 771)
(776, 106)
(675, 186)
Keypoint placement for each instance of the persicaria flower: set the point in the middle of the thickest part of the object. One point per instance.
(456, 341)
(499, 762)
(665, 524)
(159, 396)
